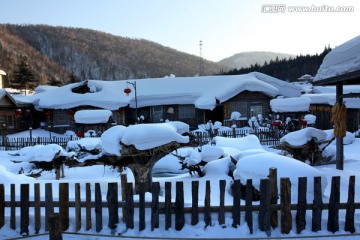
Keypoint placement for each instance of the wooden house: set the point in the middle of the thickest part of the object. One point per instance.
(193, 100)
(14, 117)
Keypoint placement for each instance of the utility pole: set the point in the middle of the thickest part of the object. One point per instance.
(201, 60)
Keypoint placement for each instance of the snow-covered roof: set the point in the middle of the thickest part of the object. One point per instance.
(296, 104)
(92, 116)
(332, 89)
(2, 72)
(201, 91)
(330, 99)
(342, 59)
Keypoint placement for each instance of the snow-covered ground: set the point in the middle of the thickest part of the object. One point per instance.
(253, 160)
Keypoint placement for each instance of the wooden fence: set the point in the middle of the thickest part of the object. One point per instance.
(269, 208)
(266, 136)
(21, 142)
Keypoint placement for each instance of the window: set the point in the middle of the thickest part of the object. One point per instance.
(238, 107)
(186, 111)
(256, 109)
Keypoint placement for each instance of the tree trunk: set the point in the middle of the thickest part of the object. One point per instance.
(142, 174)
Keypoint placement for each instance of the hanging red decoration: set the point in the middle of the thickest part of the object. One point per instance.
(276, 123)
(18, 112)
(127, 91)
(303, 122)
(48, 113)
(70, 112)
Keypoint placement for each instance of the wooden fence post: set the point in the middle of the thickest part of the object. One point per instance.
(55, 227)
(88, 206)
(123, 195)
(273, 196)
(129, 206)
(112, 199)
(301, 205)
(334, 204)
(2, 205)
(64, 205)
(248, 205)
(207, 212)
(221, 216)
(179, 206)
(285, 205)
(264, 212)
(142, 223)
(155, 190)
(37, 208)
(350, 206)
(98, 208)
(77, 207)
(195, 202)
(12, 207)
(49, 204)
(317, 205)
(167, 205)
(24, 209)
(236, 203)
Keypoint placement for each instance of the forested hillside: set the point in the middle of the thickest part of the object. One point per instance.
(92, 54)
(246, 59)
(287, 69)
(13, 50)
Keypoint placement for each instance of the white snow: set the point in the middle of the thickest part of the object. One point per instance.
(330, 99)
(302, 136)
(310, 119)
(342, 59)
(204, 92)
(147, 136)
(92, 116)
(296, 104)
(253, 161)
(249, 168)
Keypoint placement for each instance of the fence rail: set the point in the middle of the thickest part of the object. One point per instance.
(7, 143)
(268, 208)
(266, 137)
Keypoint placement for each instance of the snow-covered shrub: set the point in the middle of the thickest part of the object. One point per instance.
(310, 119)
(235, 116)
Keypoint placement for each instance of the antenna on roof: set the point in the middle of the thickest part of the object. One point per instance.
(201, 62)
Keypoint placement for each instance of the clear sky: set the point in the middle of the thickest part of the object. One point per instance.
(225, 27)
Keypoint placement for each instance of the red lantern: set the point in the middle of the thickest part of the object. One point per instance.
(18, 112)
(70, 112)
(303, 122)
(48, 113)
(276, 123)
(127, 91)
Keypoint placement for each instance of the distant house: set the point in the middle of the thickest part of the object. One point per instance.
(14, 117)
(2, 73)
(193, 100)
(322, 102)
(294, 108)
(93, 121)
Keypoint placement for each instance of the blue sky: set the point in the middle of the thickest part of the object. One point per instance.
(225, 27)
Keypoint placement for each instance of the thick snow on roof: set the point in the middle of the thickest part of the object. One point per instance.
(201, 91)
(2, 72)
(92, 116)
(330, 99)
(295, 104)
(332, 89)
(342, 59)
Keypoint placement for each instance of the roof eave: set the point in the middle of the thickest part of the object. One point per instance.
(346, 78)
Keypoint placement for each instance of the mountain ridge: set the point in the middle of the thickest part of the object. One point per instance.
(248, 58)
(91, 54)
